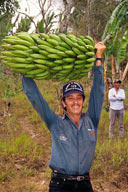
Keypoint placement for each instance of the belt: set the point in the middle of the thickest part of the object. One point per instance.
(71, 177)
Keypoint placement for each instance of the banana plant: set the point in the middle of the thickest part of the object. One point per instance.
(117, 26)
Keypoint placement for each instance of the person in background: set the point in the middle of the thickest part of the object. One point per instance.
(74, 135)
(116, 97)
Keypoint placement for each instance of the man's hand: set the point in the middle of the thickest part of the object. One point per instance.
(100, 47)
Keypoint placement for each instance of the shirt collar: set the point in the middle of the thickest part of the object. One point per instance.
(66, 116)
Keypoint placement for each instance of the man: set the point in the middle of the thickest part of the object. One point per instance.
(73, 135)
(116, 97)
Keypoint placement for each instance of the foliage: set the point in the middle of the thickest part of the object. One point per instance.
(45, 25)
(24, 24)
(8, 6)
(117, 26)
(90, 17)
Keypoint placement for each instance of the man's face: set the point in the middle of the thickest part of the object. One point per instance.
(117, 85)
(74, 104)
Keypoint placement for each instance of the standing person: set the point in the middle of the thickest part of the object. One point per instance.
(116, 97)
(74, 135)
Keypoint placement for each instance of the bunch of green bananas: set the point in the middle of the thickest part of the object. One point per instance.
(43, 56)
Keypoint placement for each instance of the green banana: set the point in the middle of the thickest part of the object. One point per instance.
(35, 71)
(18, 60)
(7, 53)
(45, 53)
(89, 65)
(58, 68)
(38, 56)
(41, 66)
(26, 38)
(70, 66)
(20, 65)
(44, 47)
(65, 71)
(62, 36)
(45, 36)
(10, 41)
(68, 42)
(91, 39)
(69, 60)
(59, 61)
(23, 42)
(90, 47)
(81, 43)
(78, 66)
(90, 60)
(55, 37)
(81, 56)
(53, 42)
(43, 73)
(54, 56)
(65, 45)
(20, 47)
(42, 42)
(76, 45)
(59, 48)
(80, 61)
(90, 53)
(51, 50)
(77, 51)
(35, 48)
(71, 53)
(50, 63)
(87, 42)
(71, 36)
(61, 53)
(40, 61)
(73, 40)
(83, 49)
(21, 53)
(35, 36)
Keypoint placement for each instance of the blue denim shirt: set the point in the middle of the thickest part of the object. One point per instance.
(72, 148)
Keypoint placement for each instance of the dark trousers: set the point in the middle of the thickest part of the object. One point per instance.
(61, 185)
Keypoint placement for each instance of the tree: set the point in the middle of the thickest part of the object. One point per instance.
(8, 6)
(90, 16)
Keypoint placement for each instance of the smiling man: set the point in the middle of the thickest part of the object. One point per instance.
(74, 135)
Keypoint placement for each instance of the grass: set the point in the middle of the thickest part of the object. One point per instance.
(25, 143)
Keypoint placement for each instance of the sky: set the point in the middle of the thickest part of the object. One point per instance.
(31, 7)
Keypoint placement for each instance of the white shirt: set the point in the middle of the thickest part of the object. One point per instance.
(116, 99)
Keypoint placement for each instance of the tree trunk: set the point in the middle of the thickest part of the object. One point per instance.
(113, 68)
(124, 73)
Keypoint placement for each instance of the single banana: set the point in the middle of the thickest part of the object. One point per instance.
(40, 61)
(45, 36)
(69, 60)
(55, 37)
(71, 53)
(38, 56)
